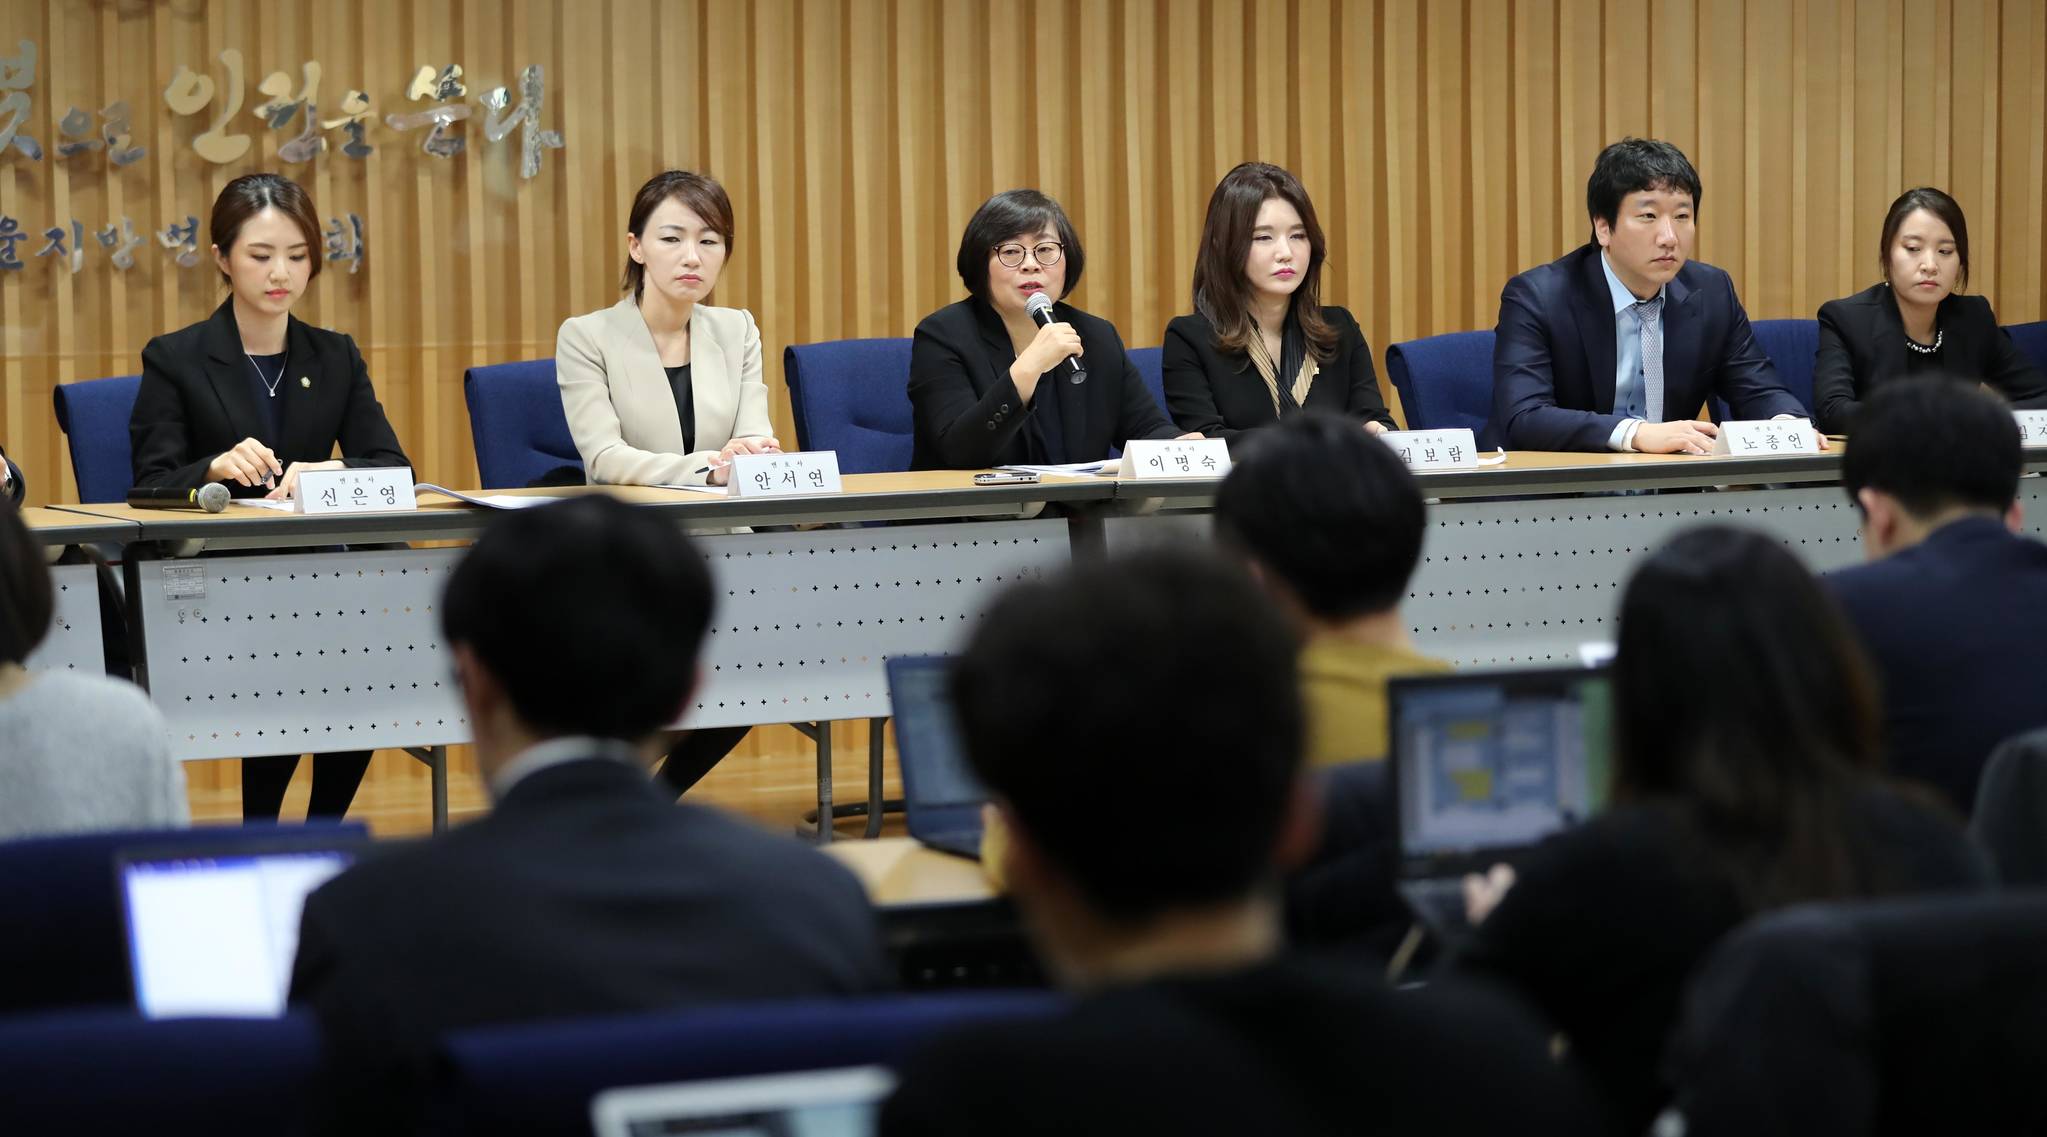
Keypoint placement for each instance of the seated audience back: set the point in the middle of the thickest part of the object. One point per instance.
(1152, 893)
(1332, 522)
(1736, 790)
(1953, 604)
(574, 631)
(2010, 821)
(77, 752)
(1856, 1020)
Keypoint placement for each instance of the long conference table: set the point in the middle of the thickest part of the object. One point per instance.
(315, 634)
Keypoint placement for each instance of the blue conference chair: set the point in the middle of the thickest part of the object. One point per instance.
(60, 895)
(852, 397)
(2031, 340)
(520, 430)
(1445, 382)
(94, 414)
(1793, 346)
(115, 1072)
(1150, 363)
(539, 1078)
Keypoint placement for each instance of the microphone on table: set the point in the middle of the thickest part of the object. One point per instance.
(211, 497)
(1040, 308)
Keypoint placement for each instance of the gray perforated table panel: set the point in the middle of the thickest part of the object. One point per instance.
(1526, 581)
(73, 642)
(318, 652)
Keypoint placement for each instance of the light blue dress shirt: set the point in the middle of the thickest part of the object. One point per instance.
(1629, 397)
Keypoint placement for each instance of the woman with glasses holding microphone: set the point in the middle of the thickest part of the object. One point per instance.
(990, 386)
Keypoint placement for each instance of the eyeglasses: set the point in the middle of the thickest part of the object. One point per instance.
(1012, 254)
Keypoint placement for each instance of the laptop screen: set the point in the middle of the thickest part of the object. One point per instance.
(821, 1103)
(216, 934)
(1498, 760)
(934, 759)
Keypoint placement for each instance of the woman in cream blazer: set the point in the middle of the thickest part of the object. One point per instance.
(660, 389)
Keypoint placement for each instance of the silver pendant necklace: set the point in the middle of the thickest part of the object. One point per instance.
(271, 385)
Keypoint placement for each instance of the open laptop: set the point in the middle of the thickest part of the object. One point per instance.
(941, 798)
(213, 930)
(1485, 764)
(819, 1103)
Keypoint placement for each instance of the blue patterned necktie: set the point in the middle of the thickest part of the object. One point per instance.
(1649, 319)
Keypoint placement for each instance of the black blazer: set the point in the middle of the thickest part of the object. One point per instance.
(967, 411)
(1862, 347)
(1957, 628)
(1222, 395)
(1554, 361)
(583, 892)
(196, 403)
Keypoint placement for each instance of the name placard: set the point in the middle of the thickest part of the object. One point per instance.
(1434, 449)
(379, 489)
(2032, 427)
(1146, 459)
(783, 475)
(1760, 438)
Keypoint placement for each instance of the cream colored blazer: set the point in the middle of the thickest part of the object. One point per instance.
(621, 409)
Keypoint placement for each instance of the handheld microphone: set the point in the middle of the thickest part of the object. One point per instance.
(1040, 308)
(211, 497)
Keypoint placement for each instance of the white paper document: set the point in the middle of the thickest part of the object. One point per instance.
(488, 500)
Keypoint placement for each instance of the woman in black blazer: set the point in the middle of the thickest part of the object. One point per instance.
(1914, 323)
(1260, 345)
(1734, 791)
(252, 398)
(988, 387)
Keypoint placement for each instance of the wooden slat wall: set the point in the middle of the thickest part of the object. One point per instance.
(1446, 144)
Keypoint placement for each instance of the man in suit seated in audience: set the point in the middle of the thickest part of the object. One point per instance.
(1616, 345)
(1138, 724)
(573, 631)
(1953, 604)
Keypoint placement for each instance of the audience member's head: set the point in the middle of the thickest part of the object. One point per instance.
(1928, 451)
(582, 618)
(1741, 694)
(1330, 516)
(1138, 723)
(25, 595)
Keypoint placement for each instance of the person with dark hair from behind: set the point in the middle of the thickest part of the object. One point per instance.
(1260, 346)
(1744, 780)
(574, 631)
(1953, 604)
(1145, 853)
(1916, 321)
(252, 397)
(77, 752)
(1331, 522)
(987, 385)
(1617, 344)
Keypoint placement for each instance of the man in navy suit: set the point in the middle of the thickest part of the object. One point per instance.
(1953, 606)
(1617, 345)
